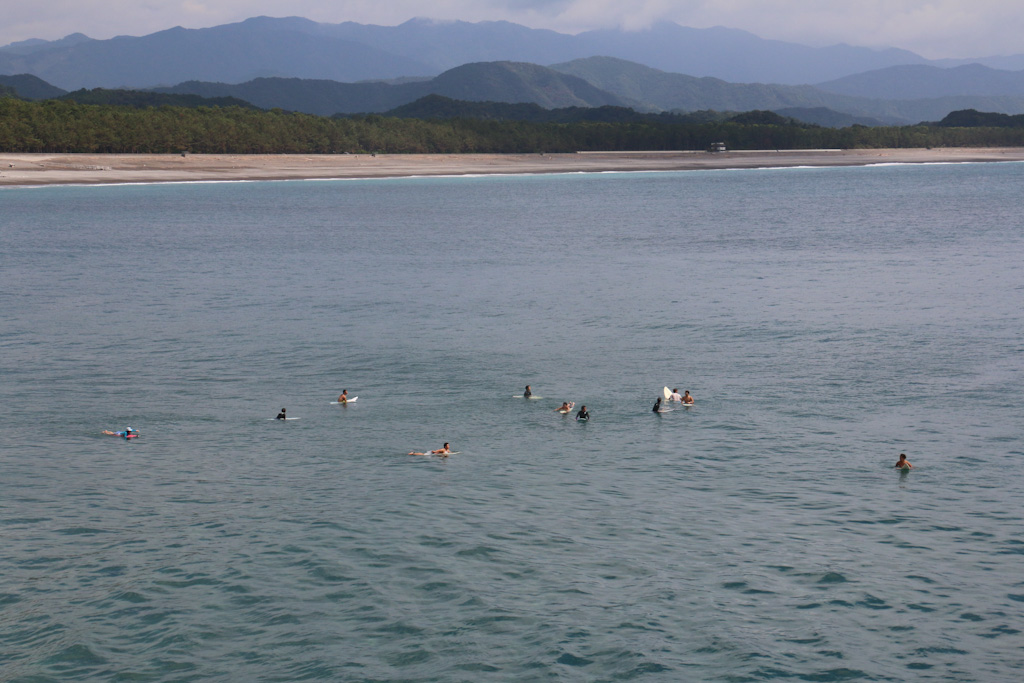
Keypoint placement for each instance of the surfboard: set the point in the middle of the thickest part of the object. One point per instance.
(339, 403)
(904, 469)
(666, 392)
(532, 398)
(285, 418)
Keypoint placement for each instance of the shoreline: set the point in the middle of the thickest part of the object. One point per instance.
(27, 170)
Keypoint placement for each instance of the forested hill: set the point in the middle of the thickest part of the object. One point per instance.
(141, 98)
(56, 126)
(971, 118)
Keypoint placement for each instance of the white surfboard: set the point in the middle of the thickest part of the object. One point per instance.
(532, 398)
(284, 418)
(339, 403)
(666, 392)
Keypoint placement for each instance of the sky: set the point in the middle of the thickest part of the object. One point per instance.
(931, 28)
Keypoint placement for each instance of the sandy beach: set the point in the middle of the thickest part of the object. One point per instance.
(57, 169)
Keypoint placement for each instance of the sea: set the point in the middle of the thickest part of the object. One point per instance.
(825, 320)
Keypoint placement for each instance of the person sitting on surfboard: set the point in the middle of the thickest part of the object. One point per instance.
(281, 415)
(444, 450)
(566, 407)
(903, 462)
(583, 414)
(676, 396)
(527, 393)
(127, 433)
(344, 396)
(687, 399)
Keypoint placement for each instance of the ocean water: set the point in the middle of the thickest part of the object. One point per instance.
(826, 320)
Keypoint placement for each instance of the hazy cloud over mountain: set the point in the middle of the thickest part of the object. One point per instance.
(933, 28)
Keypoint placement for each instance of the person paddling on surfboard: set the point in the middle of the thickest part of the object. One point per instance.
(443, 451)
(566, 407)
(344, 396)
(583, 414)
(128, 433)
(527, 393)
(903, 463)
(281, 415)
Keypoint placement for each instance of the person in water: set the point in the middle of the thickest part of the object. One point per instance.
(583, 414)
(527, 393)
(903, 462)
(687, 399)
(443, 451)
(344, 396)
(125, 433)
(676, 396)
(657, 406)
(281, 415)
(566, 407)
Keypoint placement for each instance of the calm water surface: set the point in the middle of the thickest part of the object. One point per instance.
(825, 319)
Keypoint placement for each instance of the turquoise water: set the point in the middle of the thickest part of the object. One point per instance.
(825, 320)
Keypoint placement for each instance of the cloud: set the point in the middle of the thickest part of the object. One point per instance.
(935, 28)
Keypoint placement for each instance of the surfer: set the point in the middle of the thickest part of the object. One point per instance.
(281, 415)
(903, 463)
(566, 407)
(583, 414)
(527, 393)
(443, 451)
(657, 406)
(127, 431)
(676, 396)
(687, 399)
(344, 396)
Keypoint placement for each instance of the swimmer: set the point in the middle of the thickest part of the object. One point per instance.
(566, 407)
(443, 451)
(687, 399)
(127, 431)
(527, 393)
(281, 415)
(903, 463)
(675, 397)
(344, 396)
(583, 414)
(657, 406)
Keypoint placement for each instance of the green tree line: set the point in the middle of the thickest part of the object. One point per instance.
(53, 126)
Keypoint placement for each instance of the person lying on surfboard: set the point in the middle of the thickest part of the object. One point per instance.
(444, 450)
(127, 433)
(566, 407)
(903, 462)
(344, 396)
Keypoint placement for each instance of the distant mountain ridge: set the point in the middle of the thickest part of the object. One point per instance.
(492, 81)
(592, 82)
(294, 47)
(921, 81)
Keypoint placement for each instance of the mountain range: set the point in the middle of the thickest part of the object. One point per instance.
(351, 52)
(299, 65)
